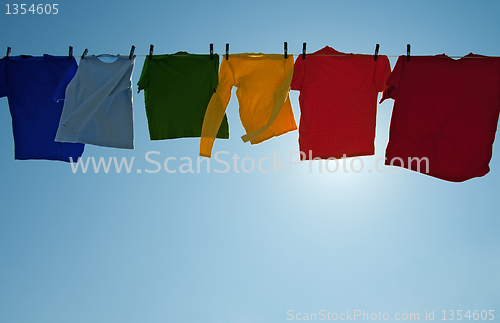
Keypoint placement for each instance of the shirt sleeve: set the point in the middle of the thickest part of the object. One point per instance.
(298, 74)
(70, 73)
(144, 79)
(3, 78)
(382, 72)
(392, 84)
(216, 108)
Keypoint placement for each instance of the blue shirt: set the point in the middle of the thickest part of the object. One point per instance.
(35, 88)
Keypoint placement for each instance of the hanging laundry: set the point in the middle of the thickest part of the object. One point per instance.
(338, 102)
(98, 105)
(177, 89)
(263, 82)
(31, 85)
(446, 111)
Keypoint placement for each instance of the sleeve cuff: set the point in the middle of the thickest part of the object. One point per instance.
(206, 145)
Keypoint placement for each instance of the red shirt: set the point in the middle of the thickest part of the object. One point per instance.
(445, 110)
(338, 102)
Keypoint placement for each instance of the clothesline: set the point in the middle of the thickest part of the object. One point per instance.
(222, 55)
(304, 53)
(87, 103)
(395, 56)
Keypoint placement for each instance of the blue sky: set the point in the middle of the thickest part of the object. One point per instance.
(239, 247)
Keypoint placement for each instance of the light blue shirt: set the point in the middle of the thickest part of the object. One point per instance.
(98, 105)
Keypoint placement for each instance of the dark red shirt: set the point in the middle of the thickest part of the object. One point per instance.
(338, 102)
(445, 110)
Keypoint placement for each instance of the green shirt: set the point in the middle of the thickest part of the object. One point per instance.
(177, 90)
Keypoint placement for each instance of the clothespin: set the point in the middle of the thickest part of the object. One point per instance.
(376, 52)
(8, 52)
(408, 52)
(286, 50)
(227, 51)
(132, 50)
(70, 51)
(211, 51)
(303, 51)
(85, 53)
(151, 47)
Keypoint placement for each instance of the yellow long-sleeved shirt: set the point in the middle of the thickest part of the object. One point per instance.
(263, 82)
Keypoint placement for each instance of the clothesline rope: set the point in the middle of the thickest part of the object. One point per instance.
(222, 55)
(395, 56)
